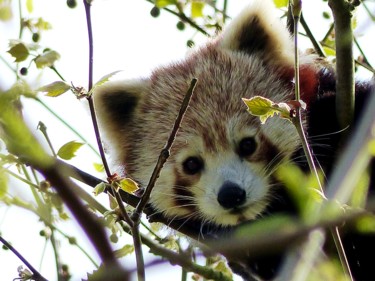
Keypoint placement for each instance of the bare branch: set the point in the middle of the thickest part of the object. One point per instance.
(342, 14)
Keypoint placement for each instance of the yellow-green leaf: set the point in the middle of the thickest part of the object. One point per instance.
(371, 146)
(112, 202)
(164, 3)
(366, 224)
(68, 150)
(99, 188)
(55, 89)
(19, 51)
(329, 51)
(124, 251)
(3, 183)
(281, 3)
(197, 9)
(99, 167)
(103, 80)
(260, 107)
(17, 136)
(128, 185)
(222, 266)
(29, 6)
(42, 24)
(21, 88)
(5, 11)
(47, 59)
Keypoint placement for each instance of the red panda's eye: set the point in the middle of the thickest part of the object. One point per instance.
(192, 165)
(247, 146)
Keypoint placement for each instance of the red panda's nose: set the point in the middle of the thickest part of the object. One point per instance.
(231, 195)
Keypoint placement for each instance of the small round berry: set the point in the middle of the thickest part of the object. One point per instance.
(23, 71)
(180, 25)
(155, 12)
(36, 37)
(326, 15)
(114, 238)
(71, 3)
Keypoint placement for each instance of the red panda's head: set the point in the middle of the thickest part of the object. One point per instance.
(222, 160)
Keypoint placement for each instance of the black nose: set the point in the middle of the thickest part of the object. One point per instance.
(231, 195)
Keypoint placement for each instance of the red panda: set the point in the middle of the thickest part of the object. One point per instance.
(220, 171)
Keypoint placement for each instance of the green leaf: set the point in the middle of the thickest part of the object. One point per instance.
(42, 24)
(366, 224)
(3, 183)
(164, 3)
(47, 59)
(21, 88)
(281, 3)
(55, 89)
(261, 107)
(124, 251)
(29, 6)
(329, 51)
(17, 136)
(128, 185)
(19, 51)
(68, 150)
(112, 202)
(99, 167)
(6, 11)
(197, 9)
(371, 147)
(99, 188)
(103, 80)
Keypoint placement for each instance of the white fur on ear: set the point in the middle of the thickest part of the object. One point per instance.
(257, 29)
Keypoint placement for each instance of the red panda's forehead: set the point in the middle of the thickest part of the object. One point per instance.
(224, 78)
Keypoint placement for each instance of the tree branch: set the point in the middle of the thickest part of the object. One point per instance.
(342, 14)
(36, 275)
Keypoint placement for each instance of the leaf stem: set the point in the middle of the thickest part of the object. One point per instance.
(67, 125)
(43, 128)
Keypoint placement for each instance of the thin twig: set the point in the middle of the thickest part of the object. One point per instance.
(317, 46)
(179, 259)
(365, 60)
(36, 275)
(120, 203)
(164, 154)
(87, 5)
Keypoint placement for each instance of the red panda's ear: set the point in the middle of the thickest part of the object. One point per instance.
(258, 31)
(116, 102)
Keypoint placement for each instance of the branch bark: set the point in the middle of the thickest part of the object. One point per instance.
(342, 14)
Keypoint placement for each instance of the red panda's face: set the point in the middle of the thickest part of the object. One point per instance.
(229, 183)
(221, 163)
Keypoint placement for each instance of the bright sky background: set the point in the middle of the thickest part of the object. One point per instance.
(126, 38)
